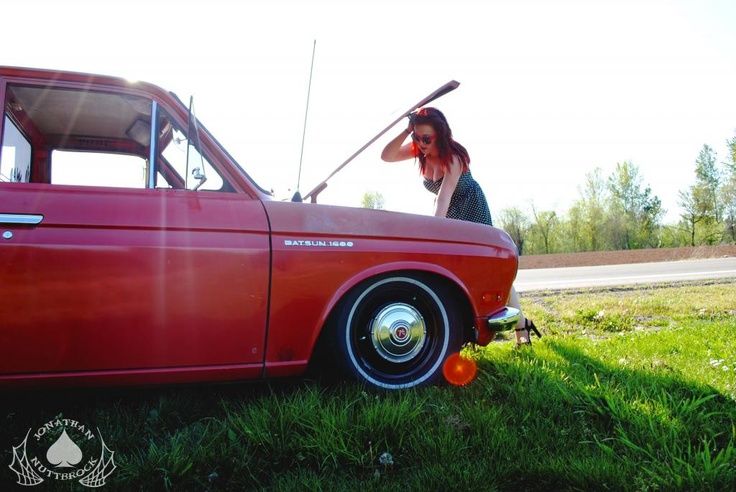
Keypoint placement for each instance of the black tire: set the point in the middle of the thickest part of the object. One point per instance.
(395, 332)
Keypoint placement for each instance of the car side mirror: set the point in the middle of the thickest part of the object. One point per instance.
(199, 176)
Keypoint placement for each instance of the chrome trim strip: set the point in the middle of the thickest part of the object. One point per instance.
(152, 147)
(504, 320)
(26, 219)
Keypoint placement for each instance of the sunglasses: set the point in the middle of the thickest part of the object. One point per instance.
(425, 139)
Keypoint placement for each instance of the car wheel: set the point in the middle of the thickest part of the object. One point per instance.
(396, 332)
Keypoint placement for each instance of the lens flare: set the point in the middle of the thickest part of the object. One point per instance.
(459, 370)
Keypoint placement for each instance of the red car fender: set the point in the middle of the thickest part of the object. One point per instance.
(282, 368)
(401, 266)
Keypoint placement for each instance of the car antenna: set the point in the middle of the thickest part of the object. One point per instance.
(298, 196)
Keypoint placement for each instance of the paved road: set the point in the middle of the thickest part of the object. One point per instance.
(637, 273)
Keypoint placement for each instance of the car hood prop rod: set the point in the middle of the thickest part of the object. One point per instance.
(448, 87)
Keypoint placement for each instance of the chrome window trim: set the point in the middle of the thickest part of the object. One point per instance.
(152, 154)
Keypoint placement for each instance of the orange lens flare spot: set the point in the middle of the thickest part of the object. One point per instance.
(459, 370)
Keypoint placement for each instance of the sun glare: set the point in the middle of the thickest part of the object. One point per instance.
(459, 370)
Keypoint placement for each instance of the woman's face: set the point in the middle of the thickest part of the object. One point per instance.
(425, 138)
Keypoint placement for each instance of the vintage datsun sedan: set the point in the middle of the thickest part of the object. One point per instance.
(135, 250)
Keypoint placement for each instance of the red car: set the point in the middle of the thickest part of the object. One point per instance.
(135, 250)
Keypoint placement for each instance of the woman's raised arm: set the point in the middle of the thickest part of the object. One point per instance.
(394, 150)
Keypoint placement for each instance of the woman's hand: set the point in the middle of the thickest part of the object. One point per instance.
(410, 126)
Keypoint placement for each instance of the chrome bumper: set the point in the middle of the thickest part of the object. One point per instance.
(504, 320)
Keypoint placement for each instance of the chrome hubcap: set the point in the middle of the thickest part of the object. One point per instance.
(398, 332)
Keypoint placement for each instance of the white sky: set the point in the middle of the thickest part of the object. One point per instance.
(549, 89)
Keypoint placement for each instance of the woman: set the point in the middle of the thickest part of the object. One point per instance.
(444, 164)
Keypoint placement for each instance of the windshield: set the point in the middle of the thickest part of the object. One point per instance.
(224, 151)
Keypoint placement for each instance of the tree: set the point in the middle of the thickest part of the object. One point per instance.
(573, 228)
(372, 200)
(636, 213)
(692, 213)
(593, 210)
(728, 192)
(544, 223)
(516, 224)
(707, 179)
(701, 202)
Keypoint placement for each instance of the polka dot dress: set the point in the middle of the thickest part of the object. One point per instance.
(468, 201)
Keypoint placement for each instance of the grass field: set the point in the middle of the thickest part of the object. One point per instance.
(628, 390)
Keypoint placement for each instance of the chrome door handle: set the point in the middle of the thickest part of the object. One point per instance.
(21, 219)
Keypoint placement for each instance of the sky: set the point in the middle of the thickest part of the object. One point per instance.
(549, 90)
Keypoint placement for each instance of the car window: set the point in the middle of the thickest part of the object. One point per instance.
(65, 136)
(16, 155)
(182, 156)
(97, 169)
(76, 137)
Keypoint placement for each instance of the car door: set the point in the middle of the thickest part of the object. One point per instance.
(105, 265)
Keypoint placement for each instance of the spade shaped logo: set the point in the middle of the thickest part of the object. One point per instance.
(64, 453)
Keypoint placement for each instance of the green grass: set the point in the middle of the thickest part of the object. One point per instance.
(628, 390)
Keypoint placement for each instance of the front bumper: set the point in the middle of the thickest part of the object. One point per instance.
(503, 320)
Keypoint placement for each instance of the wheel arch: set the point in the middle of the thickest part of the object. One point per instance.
(426, 270)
